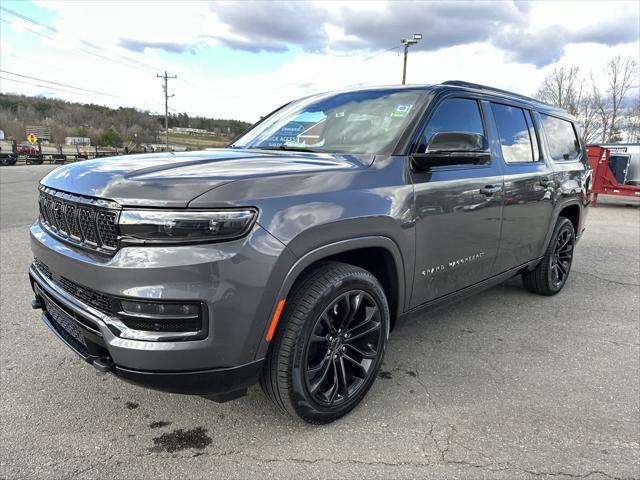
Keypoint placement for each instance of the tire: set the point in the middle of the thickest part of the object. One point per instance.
(7, 160)
(551, 274)
(314, 369)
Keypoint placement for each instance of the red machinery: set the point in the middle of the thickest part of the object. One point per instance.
(603, 179)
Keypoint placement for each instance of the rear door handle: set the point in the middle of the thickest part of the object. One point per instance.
(490, 190)
(546, 182)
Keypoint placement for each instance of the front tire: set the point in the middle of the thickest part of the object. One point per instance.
(329, 347)
(551, 274)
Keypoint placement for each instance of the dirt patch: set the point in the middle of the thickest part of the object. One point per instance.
(159, 424)
(180, 439)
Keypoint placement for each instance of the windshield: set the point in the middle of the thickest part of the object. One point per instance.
(354, 122)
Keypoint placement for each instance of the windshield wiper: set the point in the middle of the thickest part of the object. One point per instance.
(291, 148)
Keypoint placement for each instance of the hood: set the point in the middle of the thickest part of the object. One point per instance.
(173, 179)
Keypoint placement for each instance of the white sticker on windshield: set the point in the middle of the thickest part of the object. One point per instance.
(401, 110)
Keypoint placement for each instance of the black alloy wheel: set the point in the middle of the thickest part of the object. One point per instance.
(560, 260)
(329, 343)
(341, 351)
(551, 273)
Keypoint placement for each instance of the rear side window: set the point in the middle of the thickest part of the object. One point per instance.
(515, 129)
(454, 115)
(561, 137)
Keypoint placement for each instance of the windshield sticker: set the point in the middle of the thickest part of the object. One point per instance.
(339, 114)
(401, 111)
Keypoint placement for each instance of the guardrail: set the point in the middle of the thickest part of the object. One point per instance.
(7, 159)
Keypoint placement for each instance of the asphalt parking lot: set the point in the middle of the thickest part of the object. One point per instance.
(504, 385)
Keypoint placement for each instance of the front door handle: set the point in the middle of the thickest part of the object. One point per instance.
(546, 182)
(490, 190)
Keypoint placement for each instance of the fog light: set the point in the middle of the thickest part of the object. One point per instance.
(173, 310)
(162, 317)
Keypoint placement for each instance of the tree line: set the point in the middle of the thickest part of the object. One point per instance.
(115, 127)
(606, 112)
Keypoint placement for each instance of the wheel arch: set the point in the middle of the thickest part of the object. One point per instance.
(573, 213)
(572, 210)
(364, 252)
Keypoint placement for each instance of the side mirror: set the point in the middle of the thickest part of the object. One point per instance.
(454, 148)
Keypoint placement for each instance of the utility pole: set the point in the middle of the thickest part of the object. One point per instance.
(165, 87)
(407, 42)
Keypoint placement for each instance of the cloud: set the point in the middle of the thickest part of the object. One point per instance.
(329, 45)
(511, 26)
(171, 47)
(271, 26)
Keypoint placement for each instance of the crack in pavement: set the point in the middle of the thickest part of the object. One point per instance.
(604, 279)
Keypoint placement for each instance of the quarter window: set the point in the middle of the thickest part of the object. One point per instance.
(454, 115)
(561, 137)
(515, 131)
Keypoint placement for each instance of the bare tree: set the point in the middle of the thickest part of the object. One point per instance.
(562, 88)
(588, 116)
(632, 122)
(600, 111)
(622, 74)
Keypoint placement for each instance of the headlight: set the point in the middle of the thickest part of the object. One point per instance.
(159, 226)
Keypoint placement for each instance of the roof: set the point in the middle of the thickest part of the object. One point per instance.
(469, 87)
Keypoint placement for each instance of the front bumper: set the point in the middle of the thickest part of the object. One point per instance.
(77, 326)
(237, 281)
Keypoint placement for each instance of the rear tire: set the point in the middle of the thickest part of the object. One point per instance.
(551, 274)
(329, 345)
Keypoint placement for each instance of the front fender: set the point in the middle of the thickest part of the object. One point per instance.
(329, 250)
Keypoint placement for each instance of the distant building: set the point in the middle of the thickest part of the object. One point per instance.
(43, 133)
(81, 141)
(189, 131)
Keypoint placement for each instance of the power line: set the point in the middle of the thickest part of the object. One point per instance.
(80, 93)
(60, 84)
(142, 66)
(27, 19)
(49, 87)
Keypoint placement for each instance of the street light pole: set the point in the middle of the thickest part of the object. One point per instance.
(407, 42)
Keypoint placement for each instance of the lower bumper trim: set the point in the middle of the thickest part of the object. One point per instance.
(200, 382)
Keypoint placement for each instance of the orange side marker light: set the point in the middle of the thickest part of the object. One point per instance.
(274, 320)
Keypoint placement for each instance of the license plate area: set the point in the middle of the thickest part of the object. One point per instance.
(66, 327)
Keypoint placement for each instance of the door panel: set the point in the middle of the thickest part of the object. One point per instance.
(528, 186)
(457, 230)
(457, 225)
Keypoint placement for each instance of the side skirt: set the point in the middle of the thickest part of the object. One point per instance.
(463, 293)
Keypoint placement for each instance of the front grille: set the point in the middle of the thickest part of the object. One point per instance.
(87, 222)
(43, 268)
(92, 298)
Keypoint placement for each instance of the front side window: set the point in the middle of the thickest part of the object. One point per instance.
(454, 115)
(561, 137)
(515, 133)
(370, 121)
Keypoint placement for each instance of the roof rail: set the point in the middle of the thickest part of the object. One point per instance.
(477, 86)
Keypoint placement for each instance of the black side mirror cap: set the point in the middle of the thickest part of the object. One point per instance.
(454, 148)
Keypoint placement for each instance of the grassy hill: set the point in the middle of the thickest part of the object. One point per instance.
(105, 126)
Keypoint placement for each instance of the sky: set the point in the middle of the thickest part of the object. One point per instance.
(243, 59)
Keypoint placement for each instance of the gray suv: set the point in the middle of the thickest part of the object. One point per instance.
(288, 257)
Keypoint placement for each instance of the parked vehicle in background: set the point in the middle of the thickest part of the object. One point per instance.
(616, 170)
(288, 257)
(8, 159)
(26, 149)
